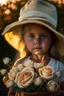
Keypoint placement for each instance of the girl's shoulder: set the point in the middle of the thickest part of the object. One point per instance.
(57, 65)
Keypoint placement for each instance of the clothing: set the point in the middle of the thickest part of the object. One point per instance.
(57, 66)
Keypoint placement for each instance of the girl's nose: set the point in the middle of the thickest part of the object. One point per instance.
(36, 40)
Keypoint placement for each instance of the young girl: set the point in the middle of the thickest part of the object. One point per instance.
(41, 46)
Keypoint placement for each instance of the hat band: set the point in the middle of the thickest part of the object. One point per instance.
(38, 19)
(40, 15)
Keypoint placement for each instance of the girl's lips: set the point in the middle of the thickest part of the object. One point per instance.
(37, 48)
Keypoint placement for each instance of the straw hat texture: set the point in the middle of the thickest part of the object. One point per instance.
(39, 12)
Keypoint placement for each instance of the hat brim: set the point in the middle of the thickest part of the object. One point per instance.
(12, 34)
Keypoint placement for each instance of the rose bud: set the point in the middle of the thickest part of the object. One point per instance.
(38, 81)
(3, 72)
(52, 86)
(6, 60)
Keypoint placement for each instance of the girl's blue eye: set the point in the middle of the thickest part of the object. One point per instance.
(31, 37)
(43, 36)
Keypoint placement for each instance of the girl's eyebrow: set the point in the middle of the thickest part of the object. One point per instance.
(31, 33)
(43, 34)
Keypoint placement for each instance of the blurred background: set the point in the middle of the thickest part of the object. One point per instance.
(9, 12)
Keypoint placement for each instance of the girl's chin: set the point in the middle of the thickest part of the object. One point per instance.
(38, 53)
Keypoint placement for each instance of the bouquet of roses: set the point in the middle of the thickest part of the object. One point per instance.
(34, 78)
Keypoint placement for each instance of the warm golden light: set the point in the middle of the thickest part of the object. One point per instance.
(59, 2)
(23, 54)
(7, 12)
(3, 2)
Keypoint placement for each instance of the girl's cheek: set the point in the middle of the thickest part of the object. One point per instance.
(29, 45)
(46, 44)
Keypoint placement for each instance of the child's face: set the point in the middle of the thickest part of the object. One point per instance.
(37, 39)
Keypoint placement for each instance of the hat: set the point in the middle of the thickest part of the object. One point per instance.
(39, 12)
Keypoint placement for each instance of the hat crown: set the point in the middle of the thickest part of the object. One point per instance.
(39, 9)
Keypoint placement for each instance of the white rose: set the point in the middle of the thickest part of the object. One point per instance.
(25, 77)
(12, 73)
(52, 86)
(6, 60)
(3, 71)
(38, 81)
(46, 72)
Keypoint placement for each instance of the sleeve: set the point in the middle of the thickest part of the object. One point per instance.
(61, 72)
(62, 76)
